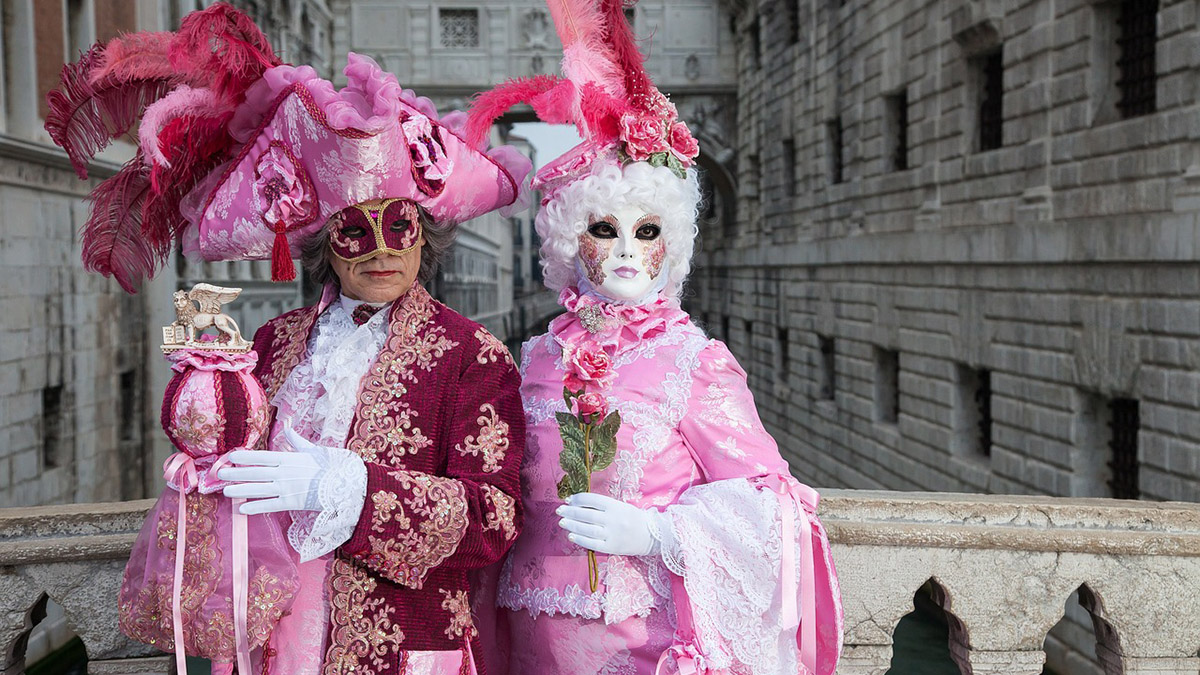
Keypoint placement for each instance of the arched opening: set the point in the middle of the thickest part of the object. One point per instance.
(49, 646)
(1083, 642)
(930, 640)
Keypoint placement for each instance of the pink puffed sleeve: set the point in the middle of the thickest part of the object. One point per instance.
(721, 428)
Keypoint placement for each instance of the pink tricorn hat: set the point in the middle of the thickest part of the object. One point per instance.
(310, 151)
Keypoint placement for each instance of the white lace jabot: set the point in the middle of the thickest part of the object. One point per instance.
(319, 399)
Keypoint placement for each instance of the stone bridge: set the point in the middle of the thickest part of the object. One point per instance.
(1000, 567)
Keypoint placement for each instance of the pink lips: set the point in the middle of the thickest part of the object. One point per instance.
(626, 272)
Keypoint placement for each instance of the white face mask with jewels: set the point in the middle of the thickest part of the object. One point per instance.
(622, 254)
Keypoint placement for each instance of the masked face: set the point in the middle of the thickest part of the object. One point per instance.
(373, 228)
(377, 249)
(622, 253)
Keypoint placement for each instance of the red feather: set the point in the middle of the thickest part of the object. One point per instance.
(113, 241)
(85, 117)
(602, 112)
(227, 44)
(490, 105)
(556, 106)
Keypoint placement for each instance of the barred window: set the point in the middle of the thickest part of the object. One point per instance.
(887, 385)
(1136, 41)
(52, 431)
(835, 147)
(828, 370)
(990, 69)
(783, 356)
(973, 411)
(897, 127)
(789, 167)
(1124, 425)
(460, 28)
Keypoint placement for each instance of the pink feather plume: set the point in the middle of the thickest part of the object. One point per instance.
(587, 56)
(84, 117)
(183, 101)
(628, 57)
(113, 241)
(226, 43)
(135, 57)
(490, 105)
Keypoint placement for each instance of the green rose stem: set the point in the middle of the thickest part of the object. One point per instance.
(593, 568)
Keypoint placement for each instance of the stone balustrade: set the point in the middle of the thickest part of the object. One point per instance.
(1001, 567)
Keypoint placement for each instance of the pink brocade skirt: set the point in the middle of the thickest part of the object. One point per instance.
(145, 600)
(571, 645)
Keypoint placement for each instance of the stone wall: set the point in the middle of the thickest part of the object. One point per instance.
(997, 569)
(974, 321)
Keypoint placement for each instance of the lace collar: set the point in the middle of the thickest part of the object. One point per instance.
(589, 319)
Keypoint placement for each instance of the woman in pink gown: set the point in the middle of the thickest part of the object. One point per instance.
(684, 544)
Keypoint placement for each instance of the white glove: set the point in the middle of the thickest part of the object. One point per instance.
(606, 525)
(286, 480)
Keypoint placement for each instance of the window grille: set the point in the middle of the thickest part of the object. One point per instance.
(789, 167)
(836, 160)
(983, 408)
(828, 368)
(128, 409)
(460, 28)
(792, 20)
(991, 108)
(1126, 420)
(1137, 28)
(756, 43)
(782, 356)
(52, 426)
(887, 385)
(898, 112)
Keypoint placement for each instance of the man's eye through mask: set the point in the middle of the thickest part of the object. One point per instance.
(363, 232)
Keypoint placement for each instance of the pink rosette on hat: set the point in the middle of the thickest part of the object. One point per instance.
(328, 149)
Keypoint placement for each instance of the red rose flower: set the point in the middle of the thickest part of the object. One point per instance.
(590, 407)
(683, 144)
(644, 135)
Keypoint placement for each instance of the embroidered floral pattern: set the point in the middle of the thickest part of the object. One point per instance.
(502, 511)
(385, 429)
(265, 601)
(592, 256)
(719, 407)
(491, 349)
(491, 442)
(459, 606)
(655, 254)
(440, 505)
(194, 428)
(385, 502)
(362, 633)
(288, 347)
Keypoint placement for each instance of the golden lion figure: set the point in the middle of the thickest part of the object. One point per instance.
(209, 298)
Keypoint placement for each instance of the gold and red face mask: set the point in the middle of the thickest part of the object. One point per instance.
(366, 230)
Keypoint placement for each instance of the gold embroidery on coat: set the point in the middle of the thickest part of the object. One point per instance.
(362, 635)
(406, 556)
(502, 511)
(492, 440)
(459, 606)
(288, 346)
(385, 502)
(385, 429)
(491, 349)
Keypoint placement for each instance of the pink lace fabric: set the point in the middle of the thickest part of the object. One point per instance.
(213, 405)
(692, 446)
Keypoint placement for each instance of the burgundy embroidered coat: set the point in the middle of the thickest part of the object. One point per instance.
(440, 426)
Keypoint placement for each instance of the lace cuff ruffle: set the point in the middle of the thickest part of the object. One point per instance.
(340, 496)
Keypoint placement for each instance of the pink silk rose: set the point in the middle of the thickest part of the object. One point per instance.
(590, 407)
(683, 144)
(644, 135)
(588, 367)
(288, 192)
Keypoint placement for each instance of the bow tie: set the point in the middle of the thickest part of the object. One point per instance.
(363, 313)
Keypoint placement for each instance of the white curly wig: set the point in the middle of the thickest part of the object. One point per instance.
(655, 189)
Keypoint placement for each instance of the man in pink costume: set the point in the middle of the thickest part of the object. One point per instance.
(397, 430)
(710, 557)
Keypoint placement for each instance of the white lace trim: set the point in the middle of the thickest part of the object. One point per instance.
(321, 395)
(727, 549)
(633, 586)
(339, 496)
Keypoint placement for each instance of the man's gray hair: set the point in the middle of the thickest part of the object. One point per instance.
(316, 255)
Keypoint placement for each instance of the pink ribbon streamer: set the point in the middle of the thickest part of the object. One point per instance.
(180, 470)
(792, 492)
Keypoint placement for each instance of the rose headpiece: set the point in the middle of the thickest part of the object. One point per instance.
(606, 93)
(242, 157)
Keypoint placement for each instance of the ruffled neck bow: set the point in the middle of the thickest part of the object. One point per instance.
(592, 319)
